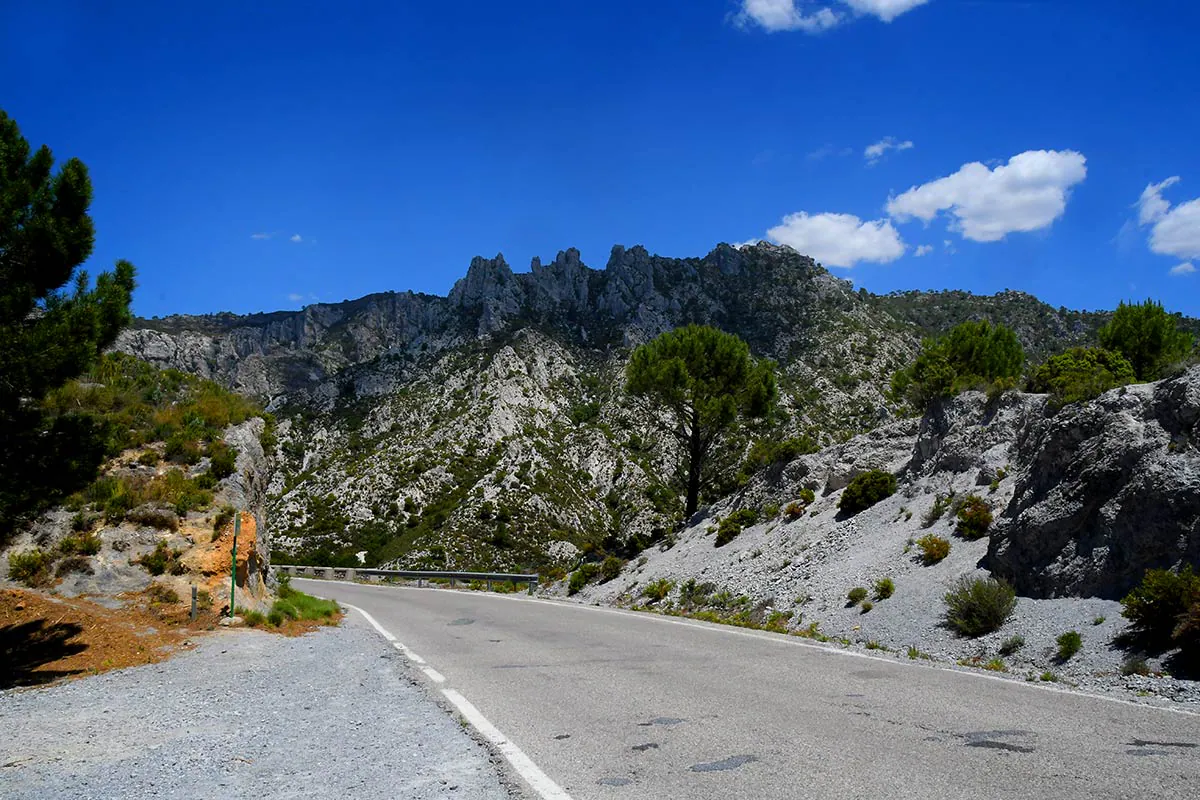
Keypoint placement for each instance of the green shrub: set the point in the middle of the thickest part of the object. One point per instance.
(767, 452)
(732, 525)
(657, 590)
(82, 543)
(30, 567)
(275, 617)
(152, 517)
(610, 569)
(148, 458)
(1049, 677)
(856, 595)
(937, 510)
(182, 449)
(254, 619)
(973, 355)
(222, 460)
(1081, 373)
(1147, 336)
(223, 518)
(974, 518)
(866, 490)
(807, 496)
(1156, 606)
(162, 561)
(161, 593)
(581, 577)
(1069, 644)
(933, 548)
(867, 605)
(584, 412)
(884, 588)
(295, 604)
(74, 563)
(1011, 645)
(977, 606)
(995, 665)
(1135, 666)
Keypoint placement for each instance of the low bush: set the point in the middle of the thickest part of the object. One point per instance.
(866, 490)
(581, 577)
(977, 606)
(161, 593)
(1069, 644)
(223, 518)
(162, 561)
(933, 548)
(71, 564)
(856, 595)
(1135, 666)
(996, 665)
(610, 569)
(808, 496)
(30, 567)
(151, 517)
(1049, 677)
(732, 525)
(254, 619)
(1081, 373)
(148, 458)
(884, 588)
(867, 605)
(84, 543)
(222, 460)
(974, 518)
(1157, 607)
(1011, 645)
(940, 503)
(658, 590)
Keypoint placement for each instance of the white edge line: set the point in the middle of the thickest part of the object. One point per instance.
(523, 764)
(530, 772)
(782, 639)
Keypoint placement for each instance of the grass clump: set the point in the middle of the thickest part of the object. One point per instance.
(658, 590)
(940, 505)
(1011, 645)
(1135, 666)
(296, 605)
(866, 490)
(884, 588)
(30, 567)
(151, 517)
(1069, 644)
(253, 619)
(856, 595)
(977, 606)
(162, 594)
(996, 665)
(974, 518)
(1049, 677)
(866, 606)
(610, 569)
(933, 548)
(82, 543)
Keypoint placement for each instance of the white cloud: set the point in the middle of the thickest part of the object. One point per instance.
(839, 240)
(1175, 230)
(807, 16)
(1152, 206)
(295, 297)
(261, 235)
(876, 151)
(295, 237)
(923, 250)
(784, 15)
(1027, 194)
(1187, 268)
(886, 10)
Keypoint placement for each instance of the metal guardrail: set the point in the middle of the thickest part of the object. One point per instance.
(420, 576)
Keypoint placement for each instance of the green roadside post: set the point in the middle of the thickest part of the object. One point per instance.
(237, 528)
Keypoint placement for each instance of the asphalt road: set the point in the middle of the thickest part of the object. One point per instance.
(613, 704)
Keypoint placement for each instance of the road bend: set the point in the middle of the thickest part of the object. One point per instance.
(615, 704)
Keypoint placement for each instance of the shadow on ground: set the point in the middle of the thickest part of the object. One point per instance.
(29, 645)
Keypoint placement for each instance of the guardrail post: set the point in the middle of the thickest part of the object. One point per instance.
(327, 573)
(350, 575)
(531, 585)
(452, 583)
(489, 584)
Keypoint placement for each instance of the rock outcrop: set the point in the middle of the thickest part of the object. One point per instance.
(1106, 490)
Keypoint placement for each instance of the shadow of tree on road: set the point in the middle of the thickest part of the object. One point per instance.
(29, 645)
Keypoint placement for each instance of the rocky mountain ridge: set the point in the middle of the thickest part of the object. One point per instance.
(490, 428)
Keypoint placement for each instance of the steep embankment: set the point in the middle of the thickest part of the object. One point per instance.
(1086, 498)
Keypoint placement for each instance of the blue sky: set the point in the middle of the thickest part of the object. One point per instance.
(263, 155)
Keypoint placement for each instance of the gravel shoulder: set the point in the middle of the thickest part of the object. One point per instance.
(333, 714)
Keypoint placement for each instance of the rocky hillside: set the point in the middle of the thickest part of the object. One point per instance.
(489, 428)
(1085, 499)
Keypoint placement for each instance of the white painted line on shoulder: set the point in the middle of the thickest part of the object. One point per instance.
(539, 781)
(409, 654)
(382, 630)
(434, 675)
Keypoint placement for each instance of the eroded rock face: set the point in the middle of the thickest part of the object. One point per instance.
(1107, 490)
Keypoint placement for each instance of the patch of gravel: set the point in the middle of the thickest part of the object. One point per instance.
(332, 714)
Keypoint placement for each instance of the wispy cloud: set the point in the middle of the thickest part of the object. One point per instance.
(877, 151)
(923, 250)
(1174, 230)
(1186, 268)
(297, 238)
(295, 297)
(814, 17)
(261, 235)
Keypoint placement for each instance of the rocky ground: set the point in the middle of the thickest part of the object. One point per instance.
(327, 715)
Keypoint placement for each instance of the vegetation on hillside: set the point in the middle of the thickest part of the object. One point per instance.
(706, 379)
(54, 323)
(1150, 338)
(973, 355)
(1081, 373)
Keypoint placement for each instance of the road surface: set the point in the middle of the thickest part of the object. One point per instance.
(613, 704)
